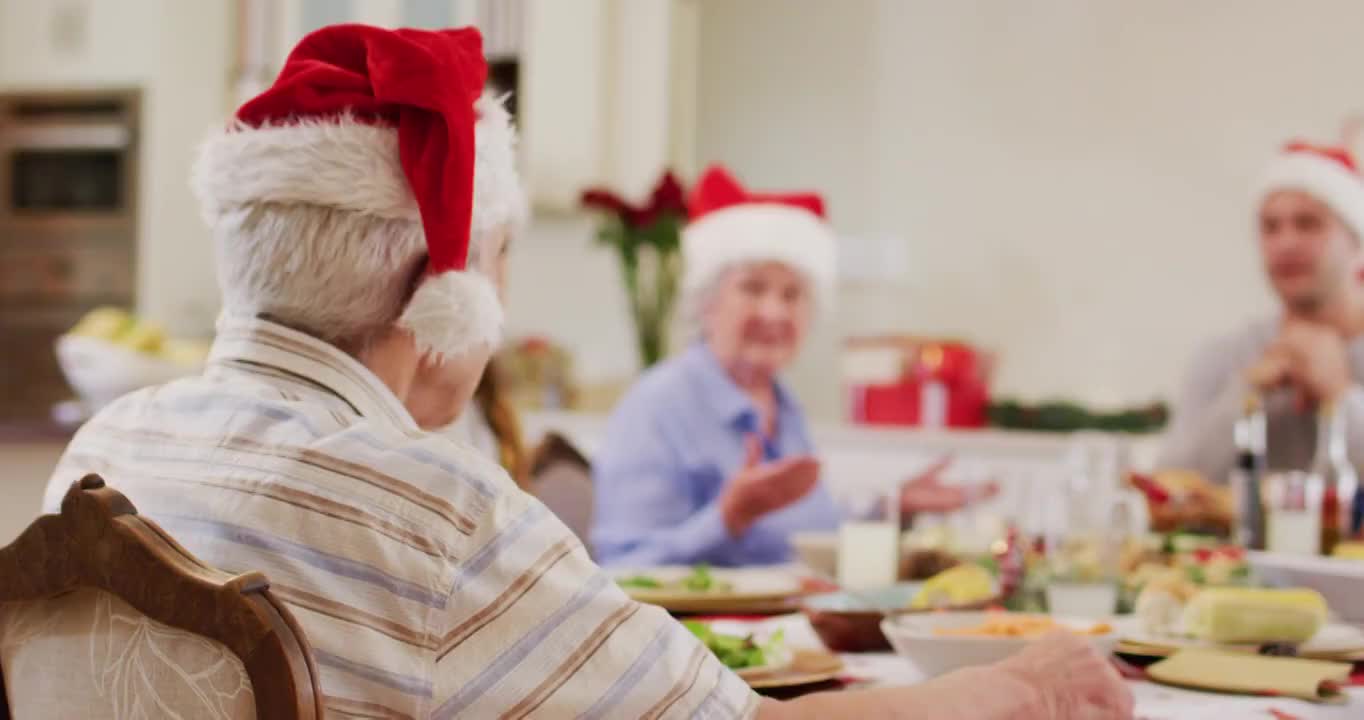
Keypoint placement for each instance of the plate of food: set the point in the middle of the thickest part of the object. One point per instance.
(767, 662)
(939, 643)
(703, 589)
(1172, 613)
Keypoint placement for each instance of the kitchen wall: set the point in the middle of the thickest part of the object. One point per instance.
(1060, 180)
(1068, 178)
(178, 54)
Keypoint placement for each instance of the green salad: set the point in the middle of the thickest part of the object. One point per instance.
(741, 652)
(700, 579)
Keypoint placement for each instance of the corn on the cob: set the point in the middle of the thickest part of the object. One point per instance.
(1255, 615)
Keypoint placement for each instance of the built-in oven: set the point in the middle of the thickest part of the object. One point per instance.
(68, 230)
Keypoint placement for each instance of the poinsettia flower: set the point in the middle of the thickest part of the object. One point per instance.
(600, 199)
(667, 196)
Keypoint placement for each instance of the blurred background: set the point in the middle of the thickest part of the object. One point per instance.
(1059, 188)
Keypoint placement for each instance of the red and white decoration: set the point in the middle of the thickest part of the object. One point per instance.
(731, 225)
(1329, 174)
(392, 123)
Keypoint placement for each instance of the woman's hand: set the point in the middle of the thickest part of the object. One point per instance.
(925, 492)
(759, 488)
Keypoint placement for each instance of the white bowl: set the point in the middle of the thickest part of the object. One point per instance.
(913, 638)
(101, 372)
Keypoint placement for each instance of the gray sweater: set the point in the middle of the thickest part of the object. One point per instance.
(1200, 434)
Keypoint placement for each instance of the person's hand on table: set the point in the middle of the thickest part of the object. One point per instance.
(760, 488)
(1060, 677)
(1071, 677)
(926, 492)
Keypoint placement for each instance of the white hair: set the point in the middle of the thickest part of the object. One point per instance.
(697, 301)
(339, 275)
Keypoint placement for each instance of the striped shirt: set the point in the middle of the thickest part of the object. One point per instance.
(428, 585)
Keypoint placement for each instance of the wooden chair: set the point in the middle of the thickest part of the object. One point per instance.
(561, 477)
(97, 587)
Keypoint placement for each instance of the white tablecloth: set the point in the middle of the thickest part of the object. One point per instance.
(1153, 701)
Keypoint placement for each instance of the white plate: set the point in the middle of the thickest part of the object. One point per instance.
(742, 581)
(1333, 639)
(914, 638)
(747, 586)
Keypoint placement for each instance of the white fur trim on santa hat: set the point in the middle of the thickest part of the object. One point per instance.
(336, 163)
(499, 199)
(454, 313)
(1324, 179)
(759, 232)
(342, 163)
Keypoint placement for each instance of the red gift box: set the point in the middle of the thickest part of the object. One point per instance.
(919, 382)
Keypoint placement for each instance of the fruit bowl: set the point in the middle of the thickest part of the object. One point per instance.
(101, 371)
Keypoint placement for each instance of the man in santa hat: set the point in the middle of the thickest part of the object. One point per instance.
(1310, 213)
(355, 207)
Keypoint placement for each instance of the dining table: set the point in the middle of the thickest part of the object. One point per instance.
(1153, 701)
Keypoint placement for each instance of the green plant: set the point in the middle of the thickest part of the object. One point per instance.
(648, 243)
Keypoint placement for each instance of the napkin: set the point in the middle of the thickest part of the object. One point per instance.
(1314, 680)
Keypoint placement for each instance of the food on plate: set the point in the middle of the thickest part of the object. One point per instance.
(643, 582)
(1352, 550)
(742, 652)
(924, 564)
(1019, 626)
(1196, 560)
(699, 580)
(962, 585)
(1164, 595)
(1224, 565)
(1255, 615)
(1183, 499)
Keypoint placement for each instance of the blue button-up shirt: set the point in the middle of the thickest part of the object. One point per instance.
(671, 445)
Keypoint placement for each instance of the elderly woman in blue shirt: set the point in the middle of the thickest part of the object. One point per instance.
(708, 458)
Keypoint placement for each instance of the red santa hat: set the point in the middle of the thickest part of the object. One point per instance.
(1327, 173)
(390, 123)
(731, 225)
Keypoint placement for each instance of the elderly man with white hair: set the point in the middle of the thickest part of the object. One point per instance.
(707, 458)
(345, 202)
